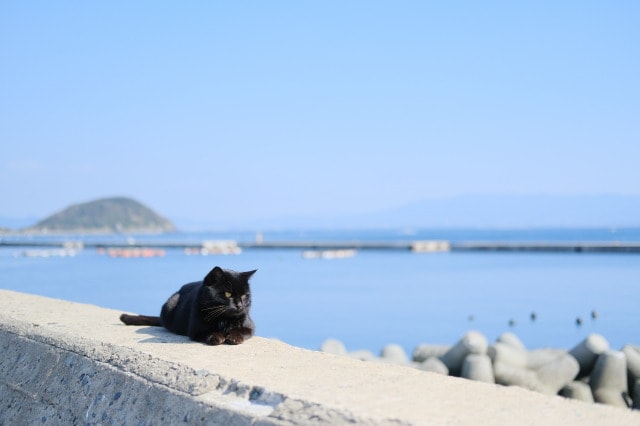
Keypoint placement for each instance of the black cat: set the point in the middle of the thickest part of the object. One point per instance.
(212, 311)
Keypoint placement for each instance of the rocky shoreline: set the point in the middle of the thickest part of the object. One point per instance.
(591, 371)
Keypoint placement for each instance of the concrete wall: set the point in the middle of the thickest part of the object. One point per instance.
(67, 363)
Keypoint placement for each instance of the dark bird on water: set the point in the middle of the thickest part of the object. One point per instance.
(594, 314)
(512, 322)
(578, 321)
(533, 316)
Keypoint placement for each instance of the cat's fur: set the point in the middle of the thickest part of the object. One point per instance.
(213, 311)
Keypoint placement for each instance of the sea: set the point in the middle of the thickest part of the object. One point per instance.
(376, 297)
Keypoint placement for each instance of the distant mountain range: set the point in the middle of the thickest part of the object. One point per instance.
(484, 211)
(105, 215)
(512, 211)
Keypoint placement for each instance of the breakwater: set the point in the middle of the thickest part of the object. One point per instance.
(590, 372)
(418, 246)
(70, 363)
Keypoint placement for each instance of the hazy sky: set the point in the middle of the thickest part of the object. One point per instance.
(227, 111)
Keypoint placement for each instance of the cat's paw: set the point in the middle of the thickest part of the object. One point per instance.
(214, 339)
(234, 338)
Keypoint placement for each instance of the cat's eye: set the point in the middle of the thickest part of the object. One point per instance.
(227, 294)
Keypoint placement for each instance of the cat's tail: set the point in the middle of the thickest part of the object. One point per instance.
(140, 320)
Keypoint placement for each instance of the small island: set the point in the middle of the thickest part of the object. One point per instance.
(104, 216)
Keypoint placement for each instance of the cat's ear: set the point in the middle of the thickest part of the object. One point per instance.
(248, 274)
(213, 277)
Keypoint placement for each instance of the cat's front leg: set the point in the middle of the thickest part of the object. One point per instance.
(213, 339)
(238, 335)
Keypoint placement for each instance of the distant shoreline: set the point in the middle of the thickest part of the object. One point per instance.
(417, 246)
(80, 232)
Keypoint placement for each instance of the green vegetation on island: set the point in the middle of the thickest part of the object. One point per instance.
(105, 215)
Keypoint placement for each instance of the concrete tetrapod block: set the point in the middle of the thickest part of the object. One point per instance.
(507, 354)
(587, 352)
(636, 391)
(512, 367)
(633, 368)
(609, 379)
(433, 365)
(577, 390)
(395, 354)
(424, 351)
(478, 367)
(509, 367)
(510, 375)
(512, 340)
(471, 343)
(558, 373)
(333, 346)
(538, 358)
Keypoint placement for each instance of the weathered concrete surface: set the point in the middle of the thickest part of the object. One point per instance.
(68, 363)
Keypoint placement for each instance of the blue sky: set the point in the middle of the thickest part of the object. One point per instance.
(223, 113)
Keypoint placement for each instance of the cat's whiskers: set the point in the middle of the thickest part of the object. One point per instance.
(214, 312)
